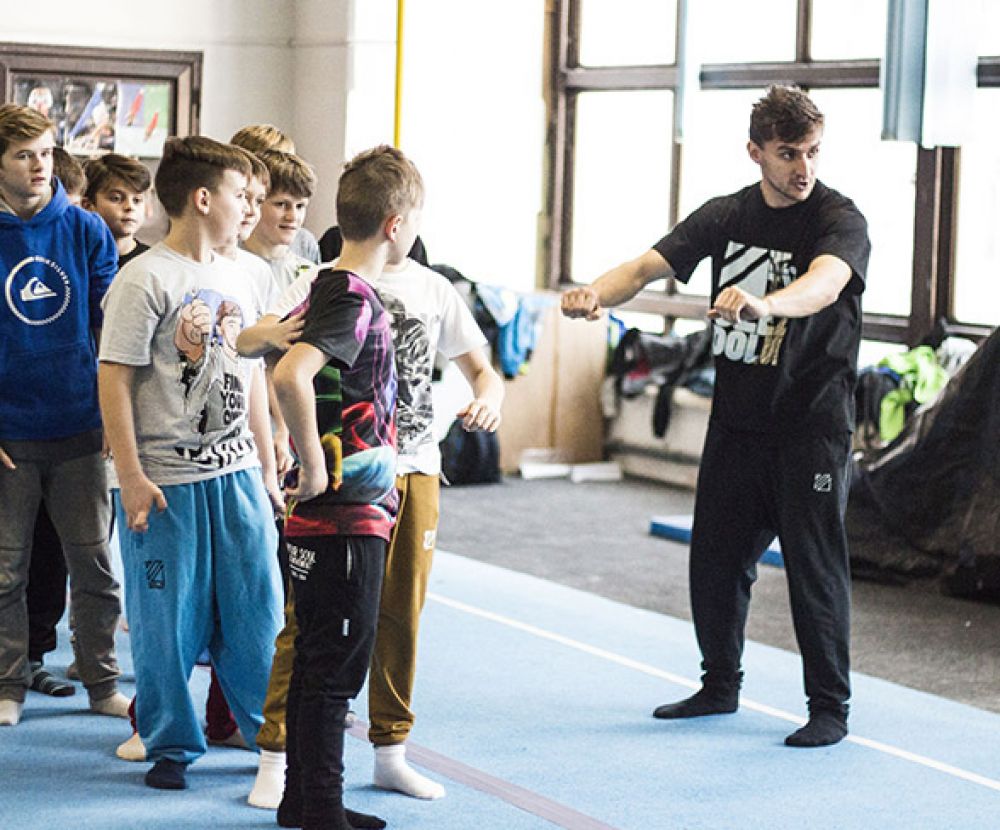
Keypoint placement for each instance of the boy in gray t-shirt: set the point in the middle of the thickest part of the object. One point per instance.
(187, 422)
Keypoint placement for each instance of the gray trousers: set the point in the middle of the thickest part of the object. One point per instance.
(75, 492)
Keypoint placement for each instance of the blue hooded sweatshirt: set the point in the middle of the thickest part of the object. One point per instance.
(55, 269)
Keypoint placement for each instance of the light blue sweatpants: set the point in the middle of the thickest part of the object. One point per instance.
(203, 575)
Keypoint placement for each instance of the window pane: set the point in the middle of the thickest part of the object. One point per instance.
(848, 29)
(977, 290)
(627, 32)
(989, 30)
(476, 135)
(714, 159)
(621, 177)
(880, 177)
(723, 31)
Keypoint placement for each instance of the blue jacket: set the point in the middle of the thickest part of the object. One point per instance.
(55, 268)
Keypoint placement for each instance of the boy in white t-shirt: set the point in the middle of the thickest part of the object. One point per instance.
(428, 316)
(291, 186)
(186, 418)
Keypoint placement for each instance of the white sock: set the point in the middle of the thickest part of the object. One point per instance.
(270, 782)
(10, 712)
(393, 773)
(115, 705)
(132, 750)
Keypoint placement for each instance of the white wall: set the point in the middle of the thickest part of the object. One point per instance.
(324, 71)
(247, 69)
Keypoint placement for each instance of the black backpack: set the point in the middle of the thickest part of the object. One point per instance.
(470, 457)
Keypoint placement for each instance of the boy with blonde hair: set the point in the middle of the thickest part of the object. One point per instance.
(117, 189)
(59, 261)
(187, 422)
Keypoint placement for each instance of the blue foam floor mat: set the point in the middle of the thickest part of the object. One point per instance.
(678, 529)
(533, 709)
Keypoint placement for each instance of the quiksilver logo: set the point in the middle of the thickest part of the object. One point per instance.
(36, 290)
(823, 482)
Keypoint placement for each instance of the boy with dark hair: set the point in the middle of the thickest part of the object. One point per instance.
(59, 261)
(293, 184)
(70, 172)
(789, 257)
(117, 189)
(337, 388)
(187, 422)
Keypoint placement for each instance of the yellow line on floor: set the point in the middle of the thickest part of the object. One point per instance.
(687, 682)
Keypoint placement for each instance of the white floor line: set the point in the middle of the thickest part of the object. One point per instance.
(645, 668)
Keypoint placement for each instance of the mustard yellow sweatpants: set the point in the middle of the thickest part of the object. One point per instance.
(393, 667)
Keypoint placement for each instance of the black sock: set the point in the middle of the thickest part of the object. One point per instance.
(47, 683)
(363, 820)
(290, 815)
(824, 728)
(167, 775)
(705, 701)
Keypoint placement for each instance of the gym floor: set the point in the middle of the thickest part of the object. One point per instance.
(538, 673)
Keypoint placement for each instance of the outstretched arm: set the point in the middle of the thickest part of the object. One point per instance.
(483, 411)
(616, 286)
(270, 333)
(816, 289)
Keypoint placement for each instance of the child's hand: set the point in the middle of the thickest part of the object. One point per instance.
(478, 415)
(283, 458)
(5, 460)
(284, 334)
(275, 495)
(311, 482)
(139, 494)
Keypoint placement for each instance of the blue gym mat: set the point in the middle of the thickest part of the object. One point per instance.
(678, 529)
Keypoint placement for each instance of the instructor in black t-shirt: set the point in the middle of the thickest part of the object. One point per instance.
(789, 257)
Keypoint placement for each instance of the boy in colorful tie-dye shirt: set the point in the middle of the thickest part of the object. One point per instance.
(337, 390)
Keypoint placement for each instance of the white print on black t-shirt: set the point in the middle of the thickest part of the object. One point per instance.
(757, 271)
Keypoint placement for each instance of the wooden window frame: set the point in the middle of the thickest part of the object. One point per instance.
(935, 210)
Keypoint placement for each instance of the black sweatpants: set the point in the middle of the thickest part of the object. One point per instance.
(752, 488)
(46, 591)
(337, 581)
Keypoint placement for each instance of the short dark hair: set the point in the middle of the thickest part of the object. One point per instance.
(375, 185)
(192, 162)
(69, 171)
(110, 169)
(785, 112)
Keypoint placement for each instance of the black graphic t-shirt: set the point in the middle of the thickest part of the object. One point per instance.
(779, 376)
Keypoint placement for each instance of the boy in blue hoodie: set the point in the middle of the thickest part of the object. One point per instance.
(57, 261)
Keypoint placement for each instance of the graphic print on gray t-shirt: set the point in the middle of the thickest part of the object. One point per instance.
(414, 365)
(214, 393)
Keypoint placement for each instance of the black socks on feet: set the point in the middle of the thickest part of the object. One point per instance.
(703, 702)
(167, 775)
(47, 683)
(825, 728)
(290, 815)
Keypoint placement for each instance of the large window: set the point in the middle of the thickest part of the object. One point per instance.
(617, 189)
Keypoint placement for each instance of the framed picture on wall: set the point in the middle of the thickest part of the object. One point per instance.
(106, 100)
